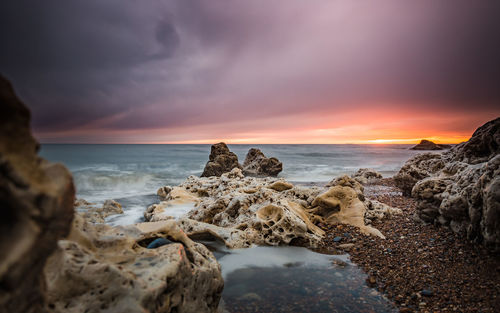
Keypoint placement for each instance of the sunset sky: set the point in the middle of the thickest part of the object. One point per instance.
(283, 71)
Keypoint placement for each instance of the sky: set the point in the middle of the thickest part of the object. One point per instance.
(282, 71)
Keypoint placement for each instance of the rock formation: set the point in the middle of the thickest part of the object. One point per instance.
(429, 145)
(365, 175)
(52, 262)
(417, 168)
(102, 268)
(257, 164)
(464, 193)
(36, 200)
(98, 214)
(220, 161)
(241, 211)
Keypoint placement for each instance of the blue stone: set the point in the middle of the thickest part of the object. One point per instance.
(158, 242)
(426, 292)
(337, 239)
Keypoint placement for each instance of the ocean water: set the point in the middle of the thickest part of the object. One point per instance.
(131, 174)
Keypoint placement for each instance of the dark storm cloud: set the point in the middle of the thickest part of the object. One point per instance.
(149, 64)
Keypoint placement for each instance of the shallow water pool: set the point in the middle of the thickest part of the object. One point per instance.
(293, 279)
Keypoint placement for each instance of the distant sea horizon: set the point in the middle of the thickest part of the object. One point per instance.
(131, 173)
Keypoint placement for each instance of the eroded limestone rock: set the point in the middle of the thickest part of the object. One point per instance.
(36, 200)
(464, 193)
(418, 167)
(220, 161)
(241, 210)
(98, 214)
(102, 268)
(365, 175)
(341, 205)
(257, 164)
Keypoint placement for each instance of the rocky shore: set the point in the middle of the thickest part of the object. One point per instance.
(421, 267)
(428, 238)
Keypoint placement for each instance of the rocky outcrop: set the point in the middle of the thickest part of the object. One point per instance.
(98, 214)
(481, 147)
(102, 268)
(36, 200)
(464, 194)
(220, 161)
(366, 175)
(418, 167)
(257, 164)
(429, 145)
(241, 211)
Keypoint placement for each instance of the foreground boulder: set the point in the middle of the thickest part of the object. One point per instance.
(429, 145)
(241, 210)
(36, 208)
(257, 164)
(220, 161)
(102, 268)
(464, 194)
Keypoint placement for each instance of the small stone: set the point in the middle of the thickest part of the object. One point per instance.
(427, 293)
(337, 239)
(158, 242)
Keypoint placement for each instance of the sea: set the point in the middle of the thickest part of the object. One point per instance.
(132, 173)
(257, 279)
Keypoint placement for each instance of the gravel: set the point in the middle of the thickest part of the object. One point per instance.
(421, 268)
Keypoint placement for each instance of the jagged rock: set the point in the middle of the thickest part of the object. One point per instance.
(257, 164)
(220, 161)
(418, 167)
(341, 205)
(347, 181)
(241, 211)
(365, 175)
(96, 214)
(163, 192)
(464, 194)
(481, 147)
(36, 200)
(429, 145)
(102, 268)
(376, 210)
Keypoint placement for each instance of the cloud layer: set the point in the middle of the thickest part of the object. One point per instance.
(269, 71)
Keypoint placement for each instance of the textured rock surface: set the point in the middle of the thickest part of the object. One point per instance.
(481, 147)
(220, 161)
(429, 145)
(241, 211)
(101, 268)
(257, 164)
(36, 199)
(98, 214)
(418, 167)
(341, 205)
(464, 194)
(365, 175)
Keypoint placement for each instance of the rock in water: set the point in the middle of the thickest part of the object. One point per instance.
(464, 193)
(257, 164)
(36, 200)
(429, 145)
(220, 161)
